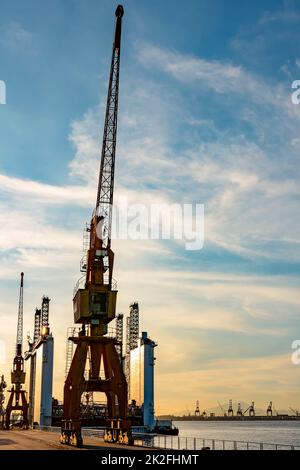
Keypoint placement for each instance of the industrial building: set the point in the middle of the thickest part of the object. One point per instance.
(139, 366)
(39, 357)
(141, 378)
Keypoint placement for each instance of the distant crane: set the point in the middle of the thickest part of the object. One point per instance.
(296, 412)
(17, 399)
(270, 409)
(222, 409)
(252, 409)
(239, 410)
(230, 408)
(197, 409)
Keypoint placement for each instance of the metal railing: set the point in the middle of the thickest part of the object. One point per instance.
(196, 443)
(186, 443)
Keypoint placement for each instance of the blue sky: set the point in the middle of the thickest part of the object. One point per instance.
(205, 116)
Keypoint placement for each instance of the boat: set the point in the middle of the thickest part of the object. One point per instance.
(165, 426)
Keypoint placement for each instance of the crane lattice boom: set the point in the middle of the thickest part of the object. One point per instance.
(19, 342)
(107, 166)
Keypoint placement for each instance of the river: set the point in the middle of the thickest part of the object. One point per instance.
(274, 432)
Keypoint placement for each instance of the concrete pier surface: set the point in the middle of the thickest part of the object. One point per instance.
(42, 440)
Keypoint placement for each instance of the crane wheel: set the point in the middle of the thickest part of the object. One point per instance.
(76, 440)
(64, 439)
(73, 440)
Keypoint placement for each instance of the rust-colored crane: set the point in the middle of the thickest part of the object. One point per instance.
(95, 304)
(17, 399)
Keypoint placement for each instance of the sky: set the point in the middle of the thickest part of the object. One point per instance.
(205, 116)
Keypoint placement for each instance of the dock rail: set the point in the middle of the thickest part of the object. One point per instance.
(164, 442)
(196, 443)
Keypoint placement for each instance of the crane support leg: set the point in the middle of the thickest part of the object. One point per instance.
(17, 402)
(102, 352)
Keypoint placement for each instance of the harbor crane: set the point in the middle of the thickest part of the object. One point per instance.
(17, 398)
(270, 409)
(222, 409)
(94, 304)
(251, 410)
(296, 412)
(230, 408)
(239, 410)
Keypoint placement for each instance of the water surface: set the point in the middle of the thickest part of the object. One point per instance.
(273, 432)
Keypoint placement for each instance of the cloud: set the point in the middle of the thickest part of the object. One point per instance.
(171, 149)
(220, 76)
(255, 160)
(251, 160)
(16, 38)
(282, 16)
(85, 138)
(263, 44)
(221, 380)
(45, 193)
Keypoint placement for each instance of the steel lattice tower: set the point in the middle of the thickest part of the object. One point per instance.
(45, 311)
(37, 325)
(119, 334)
(19, 341)
(134, 325)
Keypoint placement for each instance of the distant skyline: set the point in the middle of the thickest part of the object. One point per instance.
(205, 116)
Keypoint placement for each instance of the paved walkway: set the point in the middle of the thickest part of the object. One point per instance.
(42, 440)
